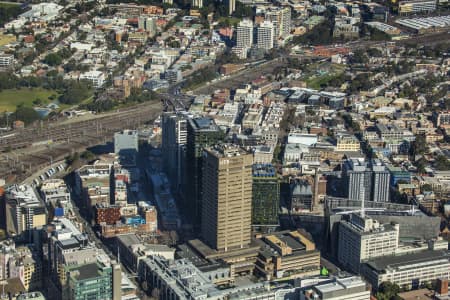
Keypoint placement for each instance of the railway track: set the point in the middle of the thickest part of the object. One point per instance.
(60, 140)
(65, 132)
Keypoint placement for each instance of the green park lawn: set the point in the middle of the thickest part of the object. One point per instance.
(315, 81)
(6, 4)
(10, 99)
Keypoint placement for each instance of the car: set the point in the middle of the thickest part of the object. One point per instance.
(36, 181)
(42, 177)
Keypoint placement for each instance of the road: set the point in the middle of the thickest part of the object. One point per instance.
(98, 243)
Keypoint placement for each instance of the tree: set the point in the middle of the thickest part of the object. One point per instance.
(88, 155)
(53, 59)
(8, 12)
(25, 114)
(71, 159)
(350, 123)
(426, 188)
(359, 57)
(419, 146)
(75, 92)
(321, 34)
(200, 76)
(243, 11)
(378, 35)
(421, 165)
(441, 163)
(387, 291)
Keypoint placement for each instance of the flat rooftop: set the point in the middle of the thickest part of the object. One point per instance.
(340, 284)
(226, 150)
(263, 170)
(394, 262)
(204, 124)
(128, 239)
(25, 195)
(87, 271)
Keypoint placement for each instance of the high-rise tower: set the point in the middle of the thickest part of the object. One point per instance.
(174, 138)
(381, 179)
(202, 132)
(265, 35)
(244, 34)
(227, 197)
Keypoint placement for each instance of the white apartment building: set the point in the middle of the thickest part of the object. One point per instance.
(244, 34)
(281, 19)
(97, 78)
(6, 60)
(363, 238)
(265, 35)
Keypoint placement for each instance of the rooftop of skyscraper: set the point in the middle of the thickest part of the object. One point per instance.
(204, 124)
(263, 170)
(25, 195)
(301, 187)
(87, 271)
(356, 164)
(366, 225)
(227, 150)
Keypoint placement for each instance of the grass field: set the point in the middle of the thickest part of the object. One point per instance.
(6, 38)
(231, 20)
(315, 81)
(6, 4)
(9, 99)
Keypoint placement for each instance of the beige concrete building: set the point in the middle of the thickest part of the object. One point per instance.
(347, 142)
(287, 254)
(227, 197)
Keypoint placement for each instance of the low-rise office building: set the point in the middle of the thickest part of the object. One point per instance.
(287, 254)
(132, 250)
(409, 270)
(350, 288)
(181, 279)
